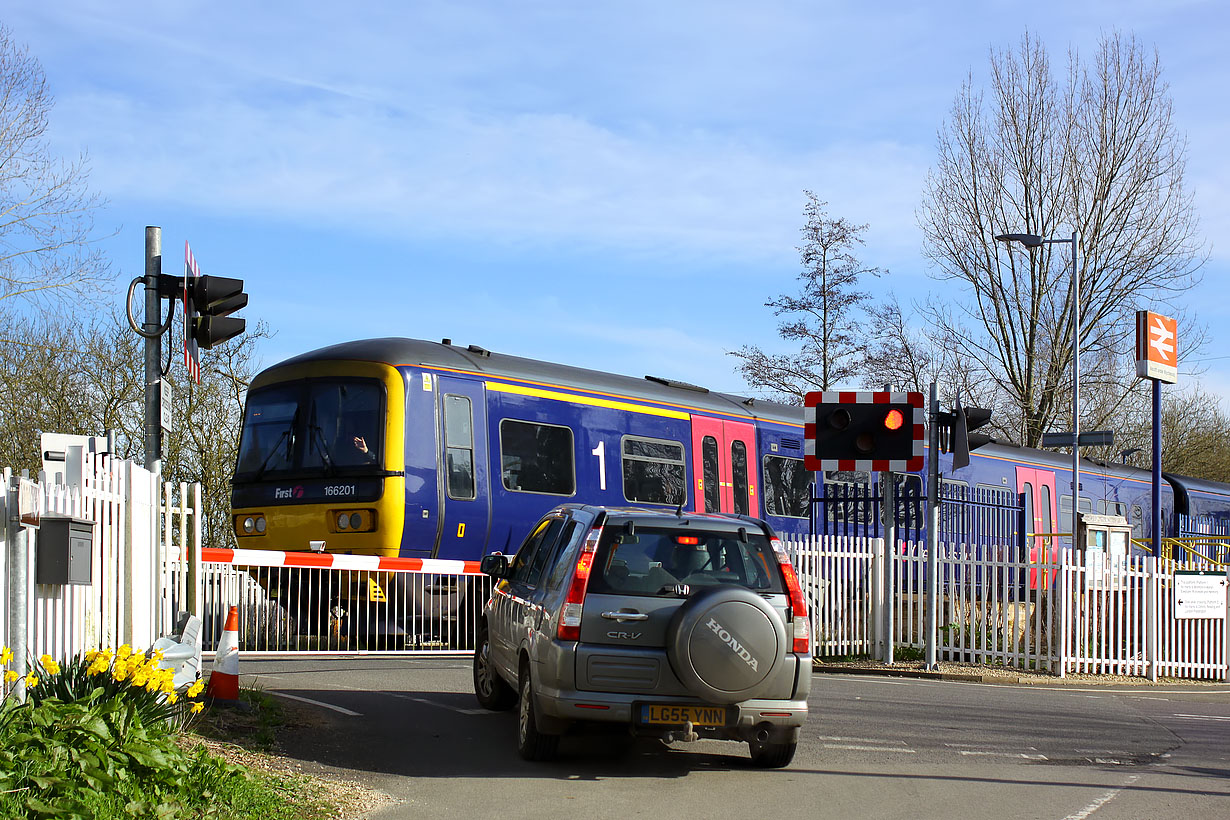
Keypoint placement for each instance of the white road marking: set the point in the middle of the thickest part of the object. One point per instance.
(1015, 755)
(437, 704)
(861, 739)
(1101, 801)
(343, 710)
(1203, 717)
(856, 748)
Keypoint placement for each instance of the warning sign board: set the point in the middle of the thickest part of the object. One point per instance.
(1199, 594)
(1157, 347)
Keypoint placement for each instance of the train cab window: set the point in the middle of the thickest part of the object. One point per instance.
(738, 475)
(787, 487)
(344, 423)
(459, 447)
(654, 471)
(536, 458)
(709, 461)
(268, 438)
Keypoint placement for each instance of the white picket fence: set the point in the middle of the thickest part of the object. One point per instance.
(136, 525)
(1072, 613)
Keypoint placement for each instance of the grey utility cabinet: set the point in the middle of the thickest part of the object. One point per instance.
(65, 550)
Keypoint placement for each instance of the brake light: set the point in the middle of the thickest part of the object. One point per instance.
(798, 604)
(569, 628)
(687, 539)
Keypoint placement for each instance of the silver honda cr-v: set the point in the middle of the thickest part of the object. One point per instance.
(675, 625)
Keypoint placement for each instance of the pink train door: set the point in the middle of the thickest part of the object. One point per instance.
(723, 462)
(1038, 486)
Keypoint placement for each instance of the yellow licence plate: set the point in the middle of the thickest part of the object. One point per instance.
(678, 715)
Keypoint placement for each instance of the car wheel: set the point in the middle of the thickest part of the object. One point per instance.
(772, 755)
(531, 743)
(490, 689)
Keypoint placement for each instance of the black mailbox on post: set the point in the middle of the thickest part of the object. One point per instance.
(65, 549)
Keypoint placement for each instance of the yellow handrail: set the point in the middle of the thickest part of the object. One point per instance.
(1218, 547)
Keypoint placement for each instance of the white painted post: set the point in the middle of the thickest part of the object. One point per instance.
(140, 576)
(194, 556)
(879, 633)
(1065, 594)
(1225, 632)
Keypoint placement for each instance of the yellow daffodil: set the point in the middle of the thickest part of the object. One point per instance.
(195, 689)
(158, 654)
(91, 655)
(49, 664)
(10, 676)
(119, 672)
(6, 656)
(172, 697)
(31, 680)
(196, 707)
(124, 651)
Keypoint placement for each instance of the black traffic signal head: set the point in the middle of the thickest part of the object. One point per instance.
(865, 431)
(966, 419)
(211, 300)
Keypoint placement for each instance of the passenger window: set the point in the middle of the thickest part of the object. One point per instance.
(536, 458)
(546, 550)
(709, 461)
(738, 475)
(1048, 521)
(561, 560)
(1030, 510)
(654, 471)
(787, 487)
(459, 447)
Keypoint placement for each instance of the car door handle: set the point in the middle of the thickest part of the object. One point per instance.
(625, 616)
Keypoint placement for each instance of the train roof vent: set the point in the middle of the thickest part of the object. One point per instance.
(680, 385)
(479, 351)
(791, 443)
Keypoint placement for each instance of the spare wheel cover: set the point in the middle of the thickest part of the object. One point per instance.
(725, 643)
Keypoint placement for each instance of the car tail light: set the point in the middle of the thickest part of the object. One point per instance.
(569, 628)
(798, 604)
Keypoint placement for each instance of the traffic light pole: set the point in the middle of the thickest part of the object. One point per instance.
(153, 350)
(933, 528)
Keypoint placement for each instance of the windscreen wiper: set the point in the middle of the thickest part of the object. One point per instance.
(260, 471)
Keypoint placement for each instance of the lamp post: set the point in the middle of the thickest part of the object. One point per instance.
(1030, 240)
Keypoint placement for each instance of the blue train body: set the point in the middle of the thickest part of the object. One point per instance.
(470, 448)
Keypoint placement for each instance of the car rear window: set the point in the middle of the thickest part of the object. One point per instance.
(655, 560)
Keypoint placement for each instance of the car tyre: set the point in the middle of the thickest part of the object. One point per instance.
(531, 743)
(772, 755)
(490, 689)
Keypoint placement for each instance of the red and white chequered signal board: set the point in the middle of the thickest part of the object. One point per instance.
(916, 421)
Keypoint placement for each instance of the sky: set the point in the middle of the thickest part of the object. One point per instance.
(616, 186)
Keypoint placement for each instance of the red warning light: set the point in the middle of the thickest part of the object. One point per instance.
(894, 419)
(687, 539)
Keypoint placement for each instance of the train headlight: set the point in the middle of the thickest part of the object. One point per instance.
(249, 524)
(343, 521)
(352, 520)
(356, 521)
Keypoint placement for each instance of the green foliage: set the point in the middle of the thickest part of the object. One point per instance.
(99, 738)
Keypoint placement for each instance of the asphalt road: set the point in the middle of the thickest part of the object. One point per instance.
(874, 747)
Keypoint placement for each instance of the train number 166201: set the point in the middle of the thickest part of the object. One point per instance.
(340, 489)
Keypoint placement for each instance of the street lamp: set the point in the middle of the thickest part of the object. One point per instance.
(1123, 454)
(1030, 240)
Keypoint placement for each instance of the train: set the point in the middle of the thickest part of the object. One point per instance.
(408, 448)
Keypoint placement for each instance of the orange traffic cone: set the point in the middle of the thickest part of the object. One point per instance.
(224, 679)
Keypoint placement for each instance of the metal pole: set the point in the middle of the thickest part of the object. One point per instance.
(18, 578)
(1155, 495)
(1076, 390)
(888, 506)
(153, 350)
(933, 529)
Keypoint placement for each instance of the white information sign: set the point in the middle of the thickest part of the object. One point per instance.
(1199, 594)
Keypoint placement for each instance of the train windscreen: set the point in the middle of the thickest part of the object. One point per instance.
(317, 427)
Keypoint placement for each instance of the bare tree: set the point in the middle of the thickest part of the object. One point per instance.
(46, 209)
(823, 317)
(1098, 154)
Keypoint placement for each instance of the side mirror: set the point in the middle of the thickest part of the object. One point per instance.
(495, 565)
